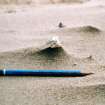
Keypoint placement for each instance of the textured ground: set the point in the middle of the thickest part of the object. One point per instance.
(23, 32)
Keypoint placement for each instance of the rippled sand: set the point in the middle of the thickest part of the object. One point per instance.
(25, 29)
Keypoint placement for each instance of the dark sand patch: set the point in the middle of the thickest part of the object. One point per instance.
(28, 2)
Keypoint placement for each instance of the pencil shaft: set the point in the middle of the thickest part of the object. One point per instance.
(40, 72)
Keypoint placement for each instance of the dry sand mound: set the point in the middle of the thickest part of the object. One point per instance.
(79, 29)
(49, 58)
(89, 28)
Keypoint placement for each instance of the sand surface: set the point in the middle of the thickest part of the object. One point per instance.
(25, 29)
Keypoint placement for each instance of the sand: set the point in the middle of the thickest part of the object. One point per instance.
(38, 2)
(24, 32)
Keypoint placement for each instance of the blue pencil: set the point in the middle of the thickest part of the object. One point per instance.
(7, 72)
